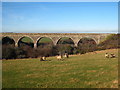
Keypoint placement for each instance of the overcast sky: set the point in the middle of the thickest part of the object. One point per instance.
(60, 17)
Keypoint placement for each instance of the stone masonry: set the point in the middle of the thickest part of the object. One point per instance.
(97, 37)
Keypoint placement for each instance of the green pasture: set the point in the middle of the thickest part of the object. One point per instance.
(90, 70)
(27, 39)
(45, 40)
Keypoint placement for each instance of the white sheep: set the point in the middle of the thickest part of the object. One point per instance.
(59, 57)
(42, 58)
(107, 55)
(66, 55)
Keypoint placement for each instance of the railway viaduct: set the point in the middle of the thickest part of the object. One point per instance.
(55, 37)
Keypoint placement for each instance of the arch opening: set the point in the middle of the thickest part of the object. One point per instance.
(45, 47)
(86, 45)
(65, 45)
(25, 42)
(8, 41)
(44, 42)
(65, 40)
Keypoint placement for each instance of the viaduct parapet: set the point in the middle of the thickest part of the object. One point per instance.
(55, 37)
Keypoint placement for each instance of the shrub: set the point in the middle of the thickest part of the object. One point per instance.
(112, 41)
(76, 50)
(86, 45)
(8, 52)
(20, 53)
(46, 50)
(65, 48)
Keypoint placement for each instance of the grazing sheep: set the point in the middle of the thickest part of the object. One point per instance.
(42, 58)
(112, 55)
(59, 57)
(107, 55)
(66, 55)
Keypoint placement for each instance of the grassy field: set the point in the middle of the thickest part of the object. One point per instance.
(45, 40)
(26, 39)
(90, 70)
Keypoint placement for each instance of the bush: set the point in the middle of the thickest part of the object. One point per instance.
(86, 45)
(8, 52)
(112, 41)
(46, 51)
(65, 48)
(20, 53)
(76, 50)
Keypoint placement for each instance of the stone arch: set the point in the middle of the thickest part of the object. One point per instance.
(10, 38)
(87, 44)
(66, 37)
(88, 38)
(41, 38)
(20, 38)
(66, 46)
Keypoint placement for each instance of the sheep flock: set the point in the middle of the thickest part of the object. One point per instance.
(61, 57)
